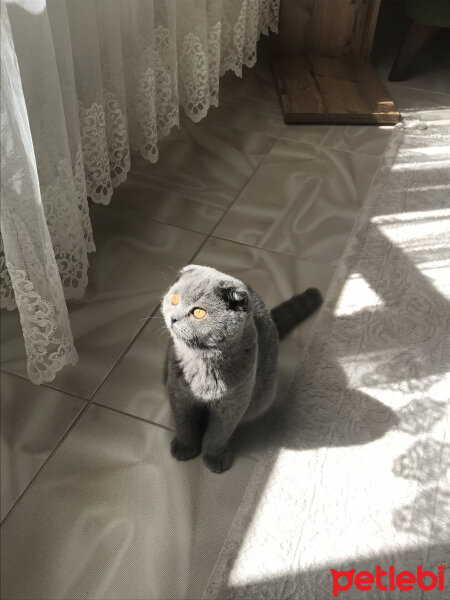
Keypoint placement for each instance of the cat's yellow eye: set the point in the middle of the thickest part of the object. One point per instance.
(175, 299)
(199, 313)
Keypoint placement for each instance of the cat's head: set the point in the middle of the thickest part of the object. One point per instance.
(205, 308)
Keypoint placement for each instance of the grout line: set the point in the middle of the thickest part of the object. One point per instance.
(140, 217)
(137, 417)
(272, 136)
(259, 113)
(211, 234)
(224, 210)
(45, 385)
(417, 89)
(149, 422)
(62, 391)
(248, 457)
(57, 446)
(321, 146)
(281, 138)
(300, 258)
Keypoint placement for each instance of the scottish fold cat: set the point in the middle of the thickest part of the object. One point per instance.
(221, 364)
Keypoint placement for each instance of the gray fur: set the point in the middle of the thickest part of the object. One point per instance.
(221, 370)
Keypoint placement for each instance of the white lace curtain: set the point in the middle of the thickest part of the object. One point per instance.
(84, 83)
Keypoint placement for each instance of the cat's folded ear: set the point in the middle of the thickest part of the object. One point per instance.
(185, 270)
(235, 298)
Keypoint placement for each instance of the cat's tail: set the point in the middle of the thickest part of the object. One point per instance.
(291, 312)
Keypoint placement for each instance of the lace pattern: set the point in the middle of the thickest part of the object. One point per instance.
(106, 152)
(166, 84)
(214, 53)
(194, 65)
(46, 352)
(7, 292)
(83, 206)
(70, 242)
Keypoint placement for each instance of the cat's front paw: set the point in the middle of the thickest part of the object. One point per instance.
(182, 452)
(218, 463)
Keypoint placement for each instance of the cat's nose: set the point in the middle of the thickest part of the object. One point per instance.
(173, 320)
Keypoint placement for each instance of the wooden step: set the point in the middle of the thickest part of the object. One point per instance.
(325, 89)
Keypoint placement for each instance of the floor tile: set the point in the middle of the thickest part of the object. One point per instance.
(434, 80)
(411, 100)
(251, 102)
(128, 275)
(246, 119)
(256, 90)
(34, 420)
(208, 164)
(302, 201)
(113, 515)
(138, 196)
(370, 139)
(135, 385)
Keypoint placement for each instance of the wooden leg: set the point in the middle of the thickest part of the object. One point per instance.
(415, 38)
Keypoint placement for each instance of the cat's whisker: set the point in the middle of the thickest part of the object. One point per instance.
(169, 277)
(163, 274)
(161, 330)
(149, 318)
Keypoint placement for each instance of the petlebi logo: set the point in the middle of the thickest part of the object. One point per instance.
(388, 579)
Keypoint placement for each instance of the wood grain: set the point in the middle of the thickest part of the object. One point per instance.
(317, 89)
(327, 27)
(294, 26)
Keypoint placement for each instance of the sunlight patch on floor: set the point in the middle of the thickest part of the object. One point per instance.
(370, 531)
(431, 151)
(424, 165)
(414, 218)
(356, 296)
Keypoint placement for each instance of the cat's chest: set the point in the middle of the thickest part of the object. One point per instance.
(205, 378)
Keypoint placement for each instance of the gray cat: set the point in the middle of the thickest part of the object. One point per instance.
(221, 363)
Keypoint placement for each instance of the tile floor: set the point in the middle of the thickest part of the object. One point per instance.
(93, 506)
